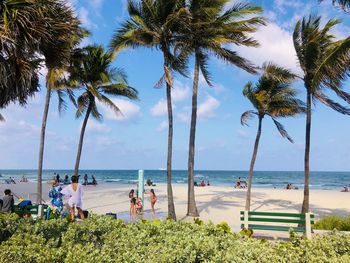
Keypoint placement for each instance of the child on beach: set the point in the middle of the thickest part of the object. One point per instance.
(7, 202)
(75, 193)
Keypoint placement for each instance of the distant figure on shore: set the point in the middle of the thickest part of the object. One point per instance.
(58, 178)
(7, 202)
(149, 182)
(195, 183)
(345, 189)
(10, 181)
(75, 193)
(202, 184)
(238, 183)
(153, 199)
(24, 179)
(208, 184)
(66, 180)
(94, 182)
(132, 203)
(291, 186)
(85, 179)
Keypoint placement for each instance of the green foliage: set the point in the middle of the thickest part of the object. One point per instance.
(333, 222)
(103, 239)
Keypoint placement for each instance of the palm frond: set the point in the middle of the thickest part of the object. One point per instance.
(247, 116)
(2, 118)
(62, 105)
(282, 130)
(332, 104)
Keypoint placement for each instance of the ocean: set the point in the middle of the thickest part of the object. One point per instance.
(264, 179)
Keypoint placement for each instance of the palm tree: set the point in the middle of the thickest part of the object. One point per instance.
(272, 96)
(155, 24)
(324, 62)
(211, 30)
(66, 33)
(92, 70)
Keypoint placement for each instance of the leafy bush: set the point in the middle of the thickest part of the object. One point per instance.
(333, 222)
(102, 239)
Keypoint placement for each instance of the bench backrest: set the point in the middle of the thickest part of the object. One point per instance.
(258, 220)
(28, 209)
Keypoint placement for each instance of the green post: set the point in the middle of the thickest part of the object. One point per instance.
(141, 186)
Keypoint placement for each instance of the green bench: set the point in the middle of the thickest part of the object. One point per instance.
(272, 221)
(33, 210)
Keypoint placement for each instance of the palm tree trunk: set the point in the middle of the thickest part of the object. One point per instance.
(171, 206)
(255, 152)
(41, 147)
(81, 139)
(305, 207)
(191, 203)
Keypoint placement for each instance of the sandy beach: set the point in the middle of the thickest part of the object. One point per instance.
(215, 203)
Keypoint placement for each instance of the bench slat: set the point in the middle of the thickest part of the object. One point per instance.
(277, 214)
(274, 228)
(275, 220)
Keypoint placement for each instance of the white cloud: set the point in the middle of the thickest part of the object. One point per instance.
(162, 126)
(207, 108)
(83, 14)
(179, 92)
(160, 109)
(276, 45)
(96, 4)
(95, 126)
(129, 110)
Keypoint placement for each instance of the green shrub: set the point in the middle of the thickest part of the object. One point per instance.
(333, 222)
(102, 239)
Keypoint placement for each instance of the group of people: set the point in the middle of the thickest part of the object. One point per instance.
(10, 181)
(75, 193)
(201, 184)
(240, 184)
(136, 204)
(86, 180)
(291, 187)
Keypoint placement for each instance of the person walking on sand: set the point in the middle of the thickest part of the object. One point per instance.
(7, 202)
(153, 200)
(75, 193)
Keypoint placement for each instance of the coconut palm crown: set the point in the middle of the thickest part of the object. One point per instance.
(92, 71)
(272, 96)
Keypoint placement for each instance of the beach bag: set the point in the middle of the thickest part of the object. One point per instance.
(25, 203)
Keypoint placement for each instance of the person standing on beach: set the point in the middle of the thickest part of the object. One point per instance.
(85, 179)
(132, 203)
(75, 193)
(7, 202)
(153, 200)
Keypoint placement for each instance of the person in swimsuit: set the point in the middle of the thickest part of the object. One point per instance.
(132, 205)
(153, 200)
(75, 193)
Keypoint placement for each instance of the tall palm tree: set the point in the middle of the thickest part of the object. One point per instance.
(155, 24)
(92, 70)
(272, 96)
(65, 33)
(325, 63)
(211, 30)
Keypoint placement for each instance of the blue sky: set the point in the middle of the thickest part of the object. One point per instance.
(138, 139)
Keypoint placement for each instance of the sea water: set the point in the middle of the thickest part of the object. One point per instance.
(264, 179)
